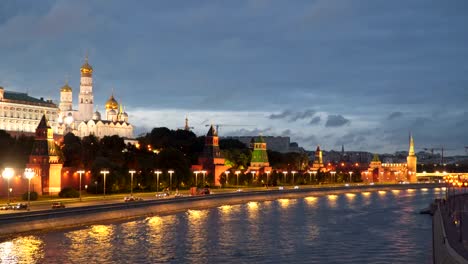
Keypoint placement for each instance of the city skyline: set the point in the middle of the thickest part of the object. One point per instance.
(322, 72)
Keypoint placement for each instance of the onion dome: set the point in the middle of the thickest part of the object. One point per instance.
(66, 88)
(112, 112)
(86, 68)
(97, 116)
(112, 103)
(125, 114)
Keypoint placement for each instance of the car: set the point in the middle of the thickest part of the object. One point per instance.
(6, 207)
(281, 188)
(20, 206)
(296, 187)
(57, 205)
(132, 199)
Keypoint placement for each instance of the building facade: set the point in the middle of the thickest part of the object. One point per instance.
(21, 113)
(85, 121)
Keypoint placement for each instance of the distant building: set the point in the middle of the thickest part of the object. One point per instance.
(392, 172)
(279, 144)
(318, 161)
(85, 121)
(259, 162)
(45, 160)
(21, 113)
(211, 160)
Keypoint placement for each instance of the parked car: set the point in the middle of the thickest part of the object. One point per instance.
(58, 205)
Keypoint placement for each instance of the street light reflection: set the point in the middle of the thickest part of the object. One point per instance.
(284, 203)
(225, 209)
(395, 191)
(410, 190)
(424, 189)
(22, 250)
(366, 193)
(311, 200)
(332, 200)
(382, 192)
(350, 196)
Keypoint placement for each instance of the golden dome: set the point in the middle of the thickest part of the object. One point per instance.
(112, 103)
(86, 68)
(66, 88)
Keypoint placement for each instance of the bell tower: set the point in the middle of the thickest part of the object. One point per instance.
(86, 98)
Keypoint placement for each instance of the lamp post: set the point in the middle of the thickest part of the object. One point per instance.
(196, 177)
(104, 172)
(284, 176)
(315, 174)
(237, 174)
(333, 174)
(203, 172)
(157, 180)
(7, 174)
(170, 179)
(253, 175)
(131, 181)
(350, 176)
(268, 175)
(310, 176)
(29, 174)
(95, 183)
(80, 172)
(227, 176)
(293, 172)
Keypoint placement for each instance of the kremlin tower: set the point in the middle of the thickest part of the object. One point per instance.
(86, 98)
(411, 161)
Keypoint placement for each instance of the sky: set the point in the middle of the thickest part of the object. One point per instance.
(358, 73)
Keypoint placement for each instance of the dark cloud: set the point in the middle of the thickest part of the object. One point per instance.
(336, 121)
(282, 115)
(315, 120)
(394, 115)
(292, 116)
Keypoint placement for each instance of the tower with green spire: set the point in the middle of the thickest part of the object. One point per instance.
(259, 153)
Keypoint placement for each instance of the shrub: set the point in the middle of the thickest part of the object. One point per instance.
(33, 196)
(69, 192)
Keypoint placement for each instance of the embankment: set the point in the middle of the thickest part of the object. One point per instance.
(14, 224)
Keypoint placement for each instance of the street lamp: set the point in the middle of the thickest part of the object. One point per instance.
(253, 175)
(170, 179)
(7, 174)
(157, 180)
(268, 174)
(29, 174)
(131, 181)
(310, 176)
(293, 172)
(104, 172)
(237, 174)
(203, 172)
(284, 177)
(227, 176)
(315, 174)
(350, 176)
(80, 172)
(333, 174)
(196, 177)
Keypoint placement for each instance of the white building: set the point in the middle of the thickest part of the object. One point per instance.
(85, 122)
(21, 113)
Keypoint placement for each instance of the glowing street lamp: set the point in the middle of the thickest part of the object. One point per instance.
(131, 181)
(268, 174)
(237, 174)
(157, 172)
(80, 172)
(310, 176)
(7, 174)
(293, 172)
(284, 176)
(350, 176)
(203, 172)
(170, 179)
(29, 174)
(253, 175)
(315, 174)
(104, 172)
(227, 176)
(196, 177)
(333, 175)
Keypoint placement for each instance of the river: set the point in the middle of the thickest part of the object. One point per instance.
(366, 227)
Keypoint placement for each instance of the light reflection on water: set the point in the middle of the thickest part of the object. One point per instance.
(366, 227)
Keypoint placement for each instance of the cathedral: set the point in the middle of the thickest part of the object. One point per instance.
(85, 121)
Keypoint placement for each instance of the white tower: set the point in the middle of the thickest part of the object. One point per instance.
(66, 98)
(86, 98)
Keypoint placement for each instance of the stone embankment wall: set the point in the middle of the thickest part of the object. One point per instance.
(14, 224)
(443, 252)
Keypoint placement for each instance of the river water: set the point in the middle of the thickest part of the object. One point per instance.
(367, 227)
